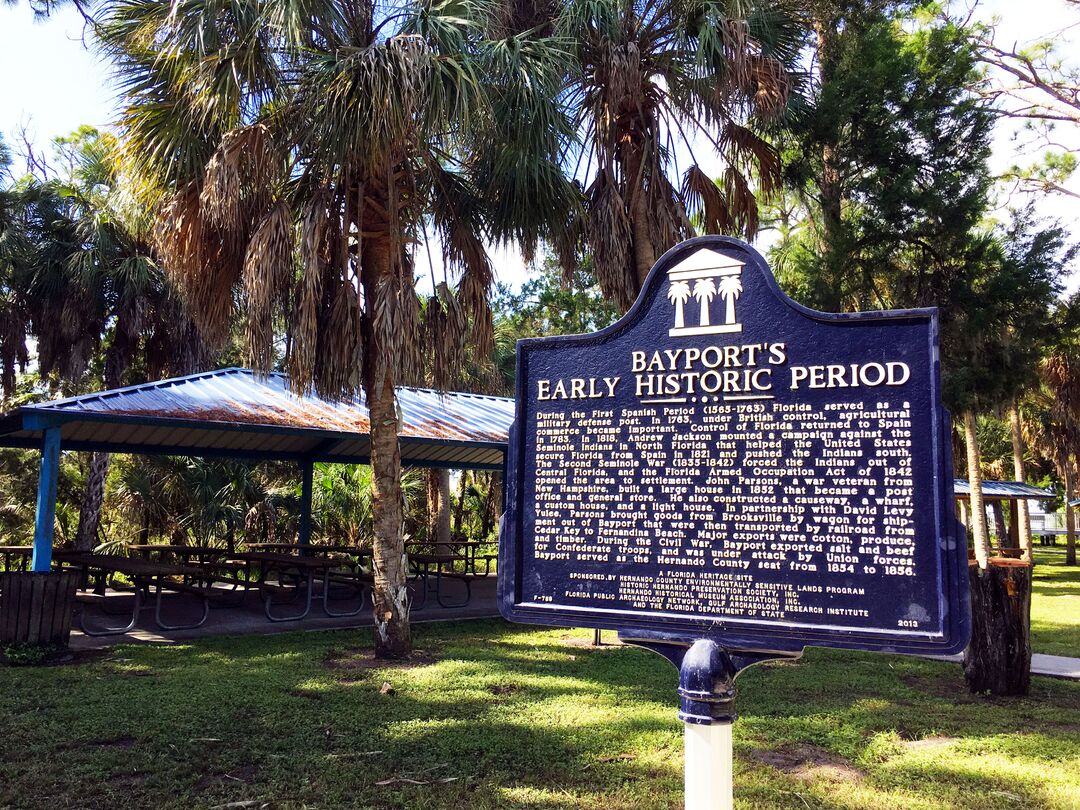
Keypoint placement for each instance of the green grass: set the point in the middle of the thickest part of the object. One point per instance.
(1055, 603)
(511, 717)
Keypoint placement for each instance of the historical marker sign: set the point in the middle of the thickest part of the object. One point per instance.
(723, 463)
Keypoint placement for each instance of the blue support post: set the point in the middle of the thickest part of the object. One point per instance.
(307, 467)
(46, 500)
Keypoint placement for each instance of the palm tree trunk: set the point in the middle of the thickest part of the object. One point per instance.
(640, 218)
(497, 485)
(831, 186)
(438, 494)
(489, 508)
(998, 657)
(644, 255)
(1000, 529)
(86, 536)
(459, 512)
(390, 597)
(1021, 515)
(978, 508)
(117, 360)
(1070, 514)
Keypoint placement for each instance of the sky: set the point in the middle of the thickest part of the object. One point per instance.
(52, 83)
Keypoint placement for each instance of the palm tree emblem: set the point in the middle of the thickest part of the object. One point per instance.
(730, 290)
(678, 294)
(704, 292)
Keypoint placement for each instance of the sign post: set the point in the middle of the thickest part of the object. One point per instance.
(725, 476)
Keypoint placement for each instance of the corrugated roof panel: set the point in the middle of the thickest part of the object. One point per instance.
(238, 400)
(1004, 489)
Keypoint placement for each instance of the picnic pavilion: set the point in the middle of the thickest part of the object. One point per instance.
(996, 494)
(237, 413)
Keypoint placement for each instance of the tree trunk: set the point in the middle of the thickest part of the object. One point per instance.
(117, 360)
(632, 158)
(86, 536)
(998, 659)
(497, 485)
(459, 512)
(390, 597)
(978, 508)
(488, 522)
(1070, 514)
(230, 535)
(1021, 515)
(438, 497)
(144, 529)
(641, 231)
(830, 186)
(1000, 529)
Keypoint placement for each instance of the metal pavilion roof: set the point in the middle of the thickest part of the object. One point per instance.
(236, 412)
(1005, 489)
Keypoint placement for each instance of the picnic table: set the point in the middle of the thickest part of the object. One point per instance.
(211, 560)
(312, 548)
(440, 565)
(197, 553)
(21, 555)
(146, 575)
(307, 571)
(463, 551)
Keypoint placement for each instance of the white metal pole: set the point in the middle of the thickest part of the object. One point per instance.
(708, 757)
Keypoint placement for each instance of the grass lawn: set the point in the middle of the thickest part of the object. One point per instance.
(496, 716)
(1055, 603)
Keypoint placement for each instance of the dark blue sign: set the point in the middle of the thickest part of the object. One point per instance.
(724, 463)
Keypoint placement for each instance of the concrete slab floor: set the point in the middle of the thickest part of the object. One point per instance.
(250, 619)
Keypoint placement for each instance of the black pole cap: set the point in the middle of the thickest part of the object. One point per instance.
(707, 684)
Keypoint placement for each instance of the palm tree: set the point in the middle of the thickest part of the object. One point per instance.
(678, 294)
(1061, 374)
(13, 352)
(304, 150)
(112, 256)
(704, 292)
(730, 290)
(651, 81)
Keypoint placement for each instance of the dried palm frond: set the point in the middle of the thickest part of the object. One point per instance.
(267, 272)
(567, 243)
(705, 201)
(670, 224)
(771, 87)
(741, 202)
(463, 250)
(340, 345)
(313, 266)
(409, 360)
(753, 154)
(239, 169)
(202, 266)
(1061, 372)
(445, 330)
(13, 353)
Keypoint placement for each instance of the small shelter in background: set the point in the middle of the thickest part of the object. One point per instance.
(237, 413)
(995, 495)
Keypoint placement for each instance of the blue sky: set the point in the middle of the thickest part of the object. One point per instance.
(53, 84)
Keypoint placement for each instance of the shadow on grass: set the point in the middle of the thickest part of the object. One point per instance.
(498, 717)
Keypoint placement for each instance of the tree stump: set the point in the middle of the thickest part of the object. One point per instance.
(36, 608)
(998, 659)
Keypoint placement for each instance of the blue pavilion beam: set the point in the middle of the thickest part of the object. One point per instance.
(45, 517)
